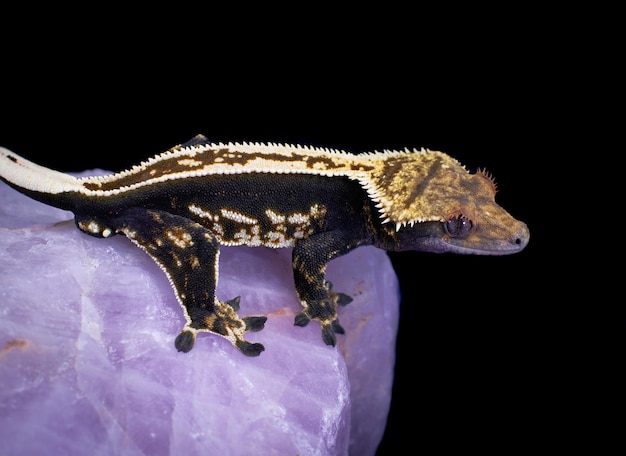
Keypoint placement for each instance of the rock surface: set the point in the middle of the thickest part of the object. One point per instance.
(88, 364)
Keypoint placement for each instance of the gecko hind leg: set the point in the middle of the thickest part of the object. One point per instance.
(188, 253)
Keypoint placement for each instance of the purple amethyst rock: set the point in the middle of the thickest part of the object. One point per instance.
(88, 363)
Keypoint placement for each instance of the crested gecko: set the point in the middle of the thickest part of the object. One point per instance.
(183, 204)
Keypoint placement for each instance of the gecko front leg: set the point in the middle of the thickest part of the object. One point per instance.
(188, 253)
(320, 302)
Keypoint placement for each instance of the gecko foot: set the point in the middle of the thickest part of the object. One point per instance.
(325, 311)
(222, 320)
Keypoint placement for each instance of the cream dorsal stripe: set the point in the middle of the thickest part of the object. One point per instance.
(241, 158)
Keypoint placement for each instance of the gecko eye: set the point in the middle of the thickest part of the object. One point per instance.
(459, 226)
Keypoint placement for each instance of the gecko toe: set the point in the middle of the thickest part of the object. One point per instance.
(184, 341)
(248, 348)
(254, 324)
(343, 299)
(337, 327)
(328, 335)
(234, 303)
(301, 319)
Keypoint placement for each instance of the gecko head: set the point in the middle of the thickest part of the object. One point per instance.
(456, 212)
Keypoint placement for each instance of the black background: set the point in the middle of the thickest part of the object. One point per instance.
(476, 349)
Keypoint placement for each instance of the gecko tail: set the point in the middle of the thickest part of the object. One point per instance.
(36, 181)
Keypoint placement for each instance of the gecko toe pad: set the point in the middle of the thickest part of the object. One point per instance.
(248, 348)
(328, 335)
(330, 331)
(184, 341)
(343, 299)
(234, 303)
(337, 327)
(254, 324)
(302, 319)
